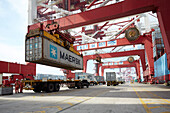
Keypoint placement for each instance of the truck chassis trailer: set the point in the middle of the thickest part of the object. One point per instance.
(114, 83)
(53, 85)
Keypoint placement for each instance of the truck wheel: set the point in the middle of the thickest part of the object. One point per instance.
(37, 90)
(50, 87)
(57, 87)
(87, 86)
(82, 86)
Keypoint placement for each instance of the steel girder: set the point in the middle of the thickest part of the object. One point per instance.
(140, 53)
(135, 64)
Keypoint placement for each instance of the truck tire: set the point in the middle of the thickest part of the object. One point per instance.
(50, 87)
(57, 87)
(87, 86)
(37, 90)
(78, 85)
(82, 85)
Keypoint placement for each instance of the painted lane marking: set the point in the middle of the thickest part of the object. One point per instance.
(37, 112)
(157, 103)
(158, 107)
(58, 107)
(143, 103)
(157, 96)
(71, 104)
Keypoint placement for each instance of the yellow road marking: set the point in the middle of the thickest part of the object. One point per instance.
(157, 103)
(143, 103)
(70, 103)
(77, 100)
(166, 112)
(59, 108)
(157, 96)
(158, 107)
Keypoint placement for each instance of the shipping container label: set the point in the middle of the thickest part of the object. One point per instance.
(53, 52)
(93, 45)
(102, 44)
(111, 43)
(62, 56)
(82, 47)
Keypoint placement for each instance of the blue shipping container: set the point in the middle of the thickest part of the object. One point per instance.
(161, 67)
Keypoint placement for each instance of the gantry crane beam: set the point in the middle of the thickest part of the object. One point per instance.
(143, 39)
(109, 12)
(135, 64)
(98, 65)
(140, 53)
(118, 10)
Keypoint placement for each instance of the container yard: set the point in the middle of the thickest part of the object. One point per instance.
(90, 56)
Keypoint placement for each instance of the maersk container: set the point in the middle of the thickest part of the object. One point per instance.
(42, 51)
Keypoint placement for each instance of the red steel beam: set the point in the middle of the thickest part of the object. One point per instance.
(109, 12)
(118, 42)
(140, 53)
(8, 67)
(122, 66)
(91, 4)
(136, 64)
(118, 10)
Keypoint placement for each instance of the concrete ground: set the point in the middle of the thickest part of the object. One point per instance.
(124, 98)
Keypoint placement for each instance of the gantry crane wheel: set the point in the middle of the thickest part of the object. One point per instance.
(130, 59)
(132, 34)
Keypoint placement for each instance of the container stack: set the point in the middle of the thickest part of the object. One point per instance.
(158, 45)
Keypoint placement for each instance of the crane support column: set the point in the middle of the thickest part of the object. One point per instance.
(163, 18)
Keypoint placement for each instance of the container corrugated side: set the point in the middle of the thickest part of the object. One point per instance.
(161, 66)
(42, 51)
(108, 76)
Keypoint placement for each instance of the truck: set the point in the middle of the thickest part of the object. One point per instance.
(120, 80)
(100, 80)
(93, 80)
(89, 76)
(111, 78)
(49, 85)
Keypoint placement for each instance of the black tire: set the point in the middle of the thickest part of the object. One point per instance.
(57, 87)
(36, 89)
(82, 86)
(50, 87)
(87, 86)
